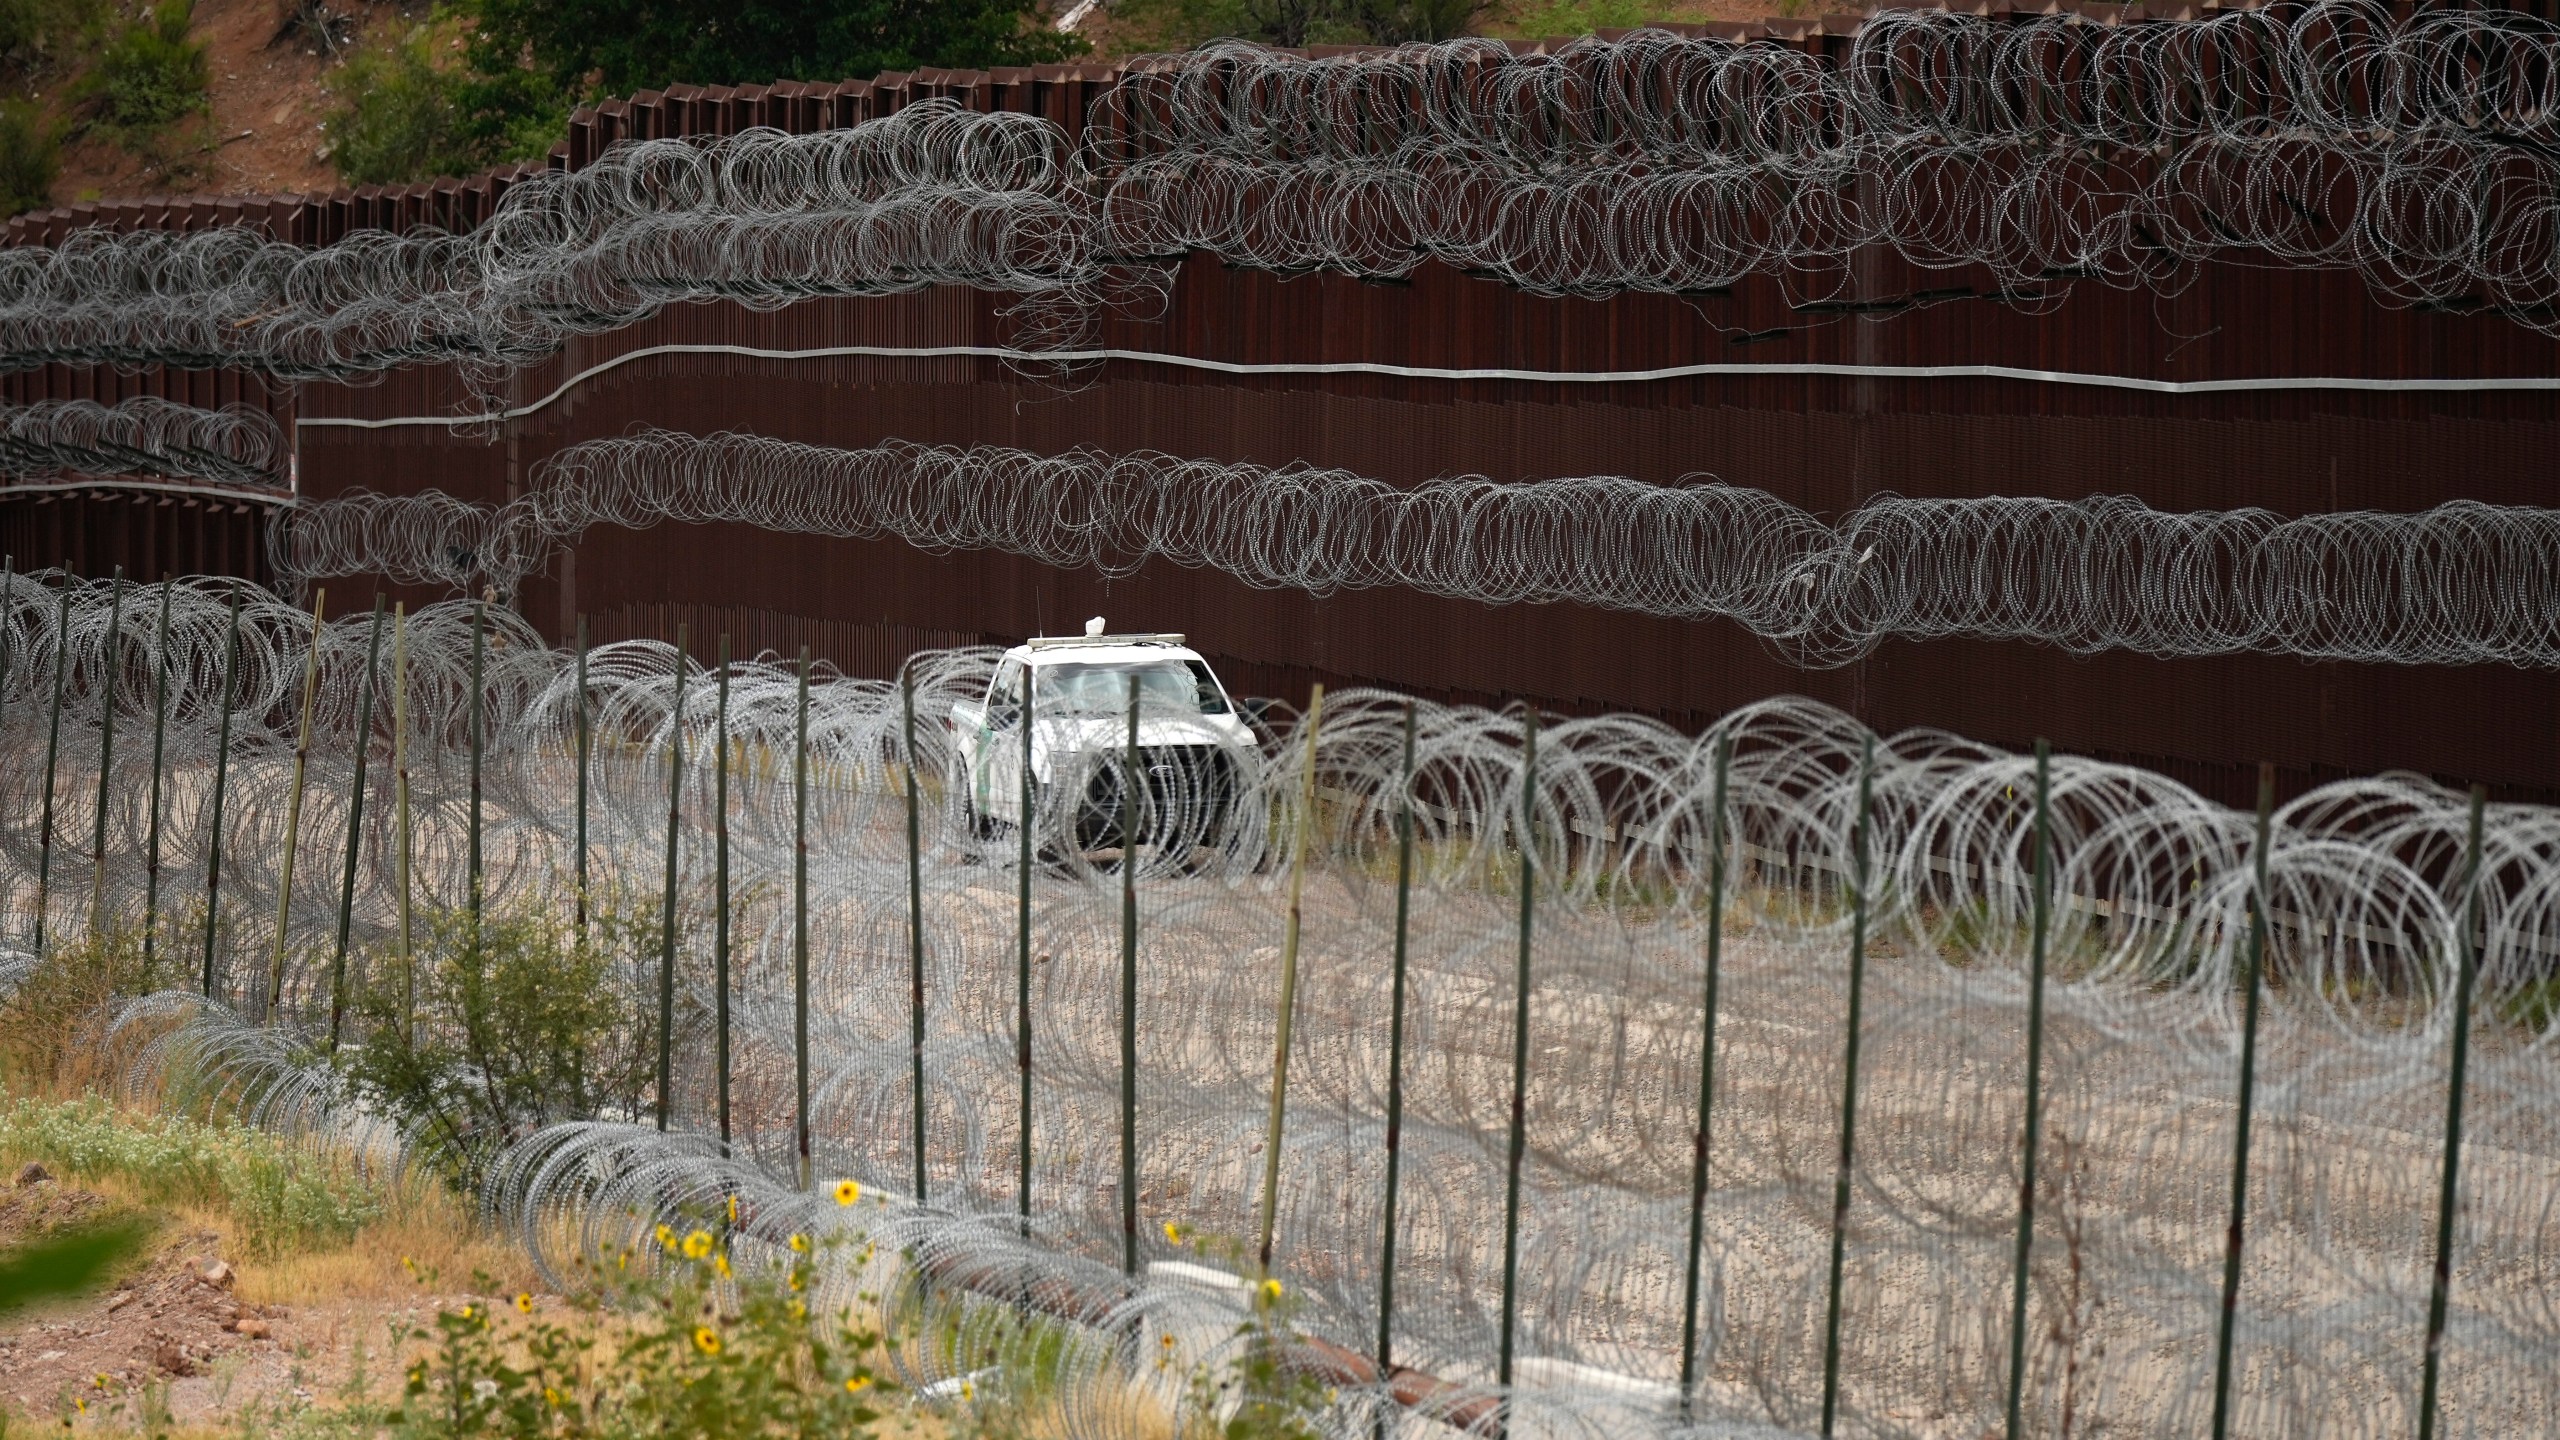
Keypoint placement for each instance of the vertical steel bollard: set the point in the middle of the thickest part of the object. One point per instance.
(1023, 818)
(355, 827)
(1849, 1082)
(2252, 983)
(1288, 984)
(667, 910)
(915, 918)
(52, 755)
(293, 806)
(159, 761)
(800, 923)
(585, 745)
(1528, 831)
(2039, 941)
(1706, 1080)
(1129, 993)
(221, 784)
(400, 801)
(110, 663)
(479, 694)
(2440, 1292)
(720, 863)
(1395, 1060)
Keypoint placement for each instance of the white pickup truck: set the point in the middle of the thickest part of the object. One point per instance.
(1200, 759)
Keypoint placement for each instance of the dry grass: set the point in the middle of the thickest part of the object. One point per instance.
(424, 1224)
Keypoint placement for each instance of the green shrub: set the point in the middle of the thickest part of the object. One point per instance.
(30, 158)
(519, 1022)
(281, 1198)
(398, 117)
(150, 74)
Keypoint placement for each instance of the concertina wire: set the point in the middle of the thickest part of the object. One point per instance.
(2371, 899)
(2416, 153)
(237, 444)
(2463, 583)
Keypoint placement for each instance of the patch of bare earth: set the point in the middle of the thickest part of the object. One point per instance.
(179, 1320)
(267, 102)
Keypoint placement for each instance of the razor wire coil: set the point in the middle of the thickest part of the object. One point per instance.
(2463, 583)
(2413, 153)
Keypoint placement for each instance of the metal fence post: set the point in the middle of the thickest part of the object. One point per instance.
(1288, 983)
(585, 747)
(2467, 949)
(52, 755)
(2252, 982)
(2042, 903)
(1706, 1080)
(1395, 1056)
(1858, 900)
(720, 929)
(159, 760)
(915, 918)
(479, 645)
(355, 826)
(400, 800)
(667, 910)
(221, 783)
(1027, 802)
(109, 666)
(800, 923)
(293, 805)
(1528, 832)
(1129, 993)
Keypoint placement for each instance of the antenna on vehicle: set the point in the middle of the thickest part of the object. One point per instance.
(1093, 626)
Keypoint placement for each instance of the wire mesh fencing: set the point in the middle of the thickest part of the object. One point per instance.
(1564, 1077)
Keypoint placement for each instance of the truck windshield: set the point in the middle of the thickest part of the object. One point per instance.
(1104, 689)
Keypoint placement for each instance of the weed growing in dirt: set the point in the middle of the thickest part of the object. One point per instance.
(706, 1349)
(51, 1020)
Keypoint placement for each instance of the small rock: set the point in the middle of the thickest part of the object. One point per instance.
(32, 1173)
(119, 1300)
(218, 1275)
(248, 1329)
(49, 1355)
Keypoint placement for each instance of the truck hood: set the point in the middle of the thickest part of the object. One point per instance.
(1055, 736)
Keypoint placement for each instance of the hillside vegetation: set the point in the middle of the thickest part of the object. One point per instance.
(106, 99)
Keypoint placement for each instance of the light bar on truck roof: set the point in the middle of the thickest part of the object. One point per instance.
(1055, 642)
